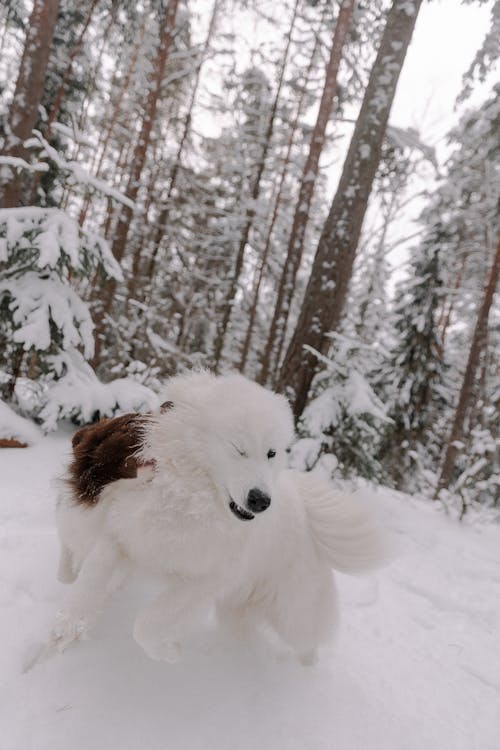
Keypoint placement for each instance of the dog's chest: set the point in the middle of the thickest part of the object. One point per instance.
(165, 530)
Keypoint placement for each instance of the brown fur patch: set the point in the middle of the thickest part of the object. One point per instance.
(103, 453)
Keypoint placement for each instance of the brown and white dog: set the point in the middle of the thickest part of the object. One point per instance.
(199, 496)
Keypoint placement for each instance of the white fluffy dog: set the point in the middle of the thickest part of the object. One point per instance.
(218, 519)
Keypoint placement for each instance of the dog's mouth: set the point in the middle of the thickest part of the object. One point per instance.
(241, 513)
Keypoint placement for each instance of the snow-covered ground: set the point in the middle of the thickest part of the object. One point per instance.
(415, 664)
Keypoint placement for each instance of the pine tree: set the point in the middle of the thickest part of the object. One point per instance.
(308, 180)
(415, 382)
(477, 346)
(166, 35)
(254, 196)
(23, 112)
(341, 427)
(327, 288)
(45, 326)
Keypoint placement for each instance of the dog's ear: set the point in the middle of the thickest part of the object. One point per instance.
(166, 406)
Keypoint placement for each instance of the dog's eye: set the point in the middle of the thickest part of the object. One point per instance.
(271, 453)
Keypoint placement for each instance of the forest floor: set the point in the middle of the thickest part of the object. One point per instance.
(415, 664)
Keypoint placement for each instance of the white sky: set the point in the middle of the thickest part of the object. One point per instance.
(446, 38)
(445, 41)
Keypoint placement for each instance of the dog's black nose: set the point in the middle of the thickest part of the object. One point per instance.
(257, 501)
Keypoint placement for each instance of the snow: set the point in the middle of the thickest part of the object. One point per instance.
(415, 663)
(54, 235)
(79, 395)
(18, 163)
(80, 174)
(16, 427)
(38, 304)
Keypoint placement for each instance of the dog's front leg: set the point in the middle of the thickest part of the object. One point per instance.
(161, 628)
(87, 595)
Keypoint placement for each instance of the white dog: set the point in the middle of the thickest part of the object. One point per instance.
(211, 511)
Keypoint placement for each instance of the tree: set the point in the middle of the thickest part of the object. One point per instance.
(296, 240)
(163, 217)
(166, 31)
(414, 381)
(23, 112)
(327, 287)
(250, 211)
(287, 166)
(486, 56)
(341, 426)
(45, 327)
(473, 360)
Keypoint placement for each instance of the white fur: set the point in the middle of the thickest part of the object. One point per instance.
(177, 526)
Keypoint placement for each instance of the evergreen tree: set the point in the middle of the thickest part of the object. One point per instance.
(332, 268)
(341, 426)
(23, 111)
(45, 327)
(415, 384)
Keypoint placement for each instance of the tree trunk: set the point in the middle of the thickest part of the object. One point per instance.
(58, 98)
(163, 217)
(277, 204)
(445, 318)
(113, 120)
(250, 212)
(167, 29)
(23, 112)
(464, 400)
(140, 152)
(296, 240)
(332, 267)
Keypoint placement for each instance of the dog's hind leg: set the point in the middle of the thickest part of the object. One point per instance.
(87, 595)
(66, 571)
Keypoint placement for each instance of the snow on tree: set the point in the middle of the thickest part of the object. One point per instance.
(328, 283)
(23, 111)
(295, 246)
(340, 428)
(45, 327)
(487, 55)
(414, 382)
(16, 431)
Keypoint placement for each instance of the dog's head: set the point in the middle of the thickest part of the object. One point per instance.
(230, 430)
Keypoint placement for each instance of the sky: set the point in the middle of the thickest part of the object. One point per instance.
(445, 40)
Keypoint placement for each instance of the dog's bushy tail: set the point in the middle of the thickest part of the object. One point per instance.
(344, 528)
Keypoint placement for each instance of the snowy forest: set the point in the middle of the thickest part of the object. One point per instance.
(218, 184)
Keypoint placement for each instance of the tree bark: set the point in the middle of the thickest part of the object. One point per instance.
(58, 98)
(445, 319)
(250, 212)
(167, 29)
(164, 214)
(332, 267)
(140, 152)
(23, 112)
(277, 204)
(310, 173)
(113, 120)
(464, 400)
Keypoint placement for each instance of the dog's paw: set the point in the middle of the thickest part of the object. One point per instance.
(66, 629)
